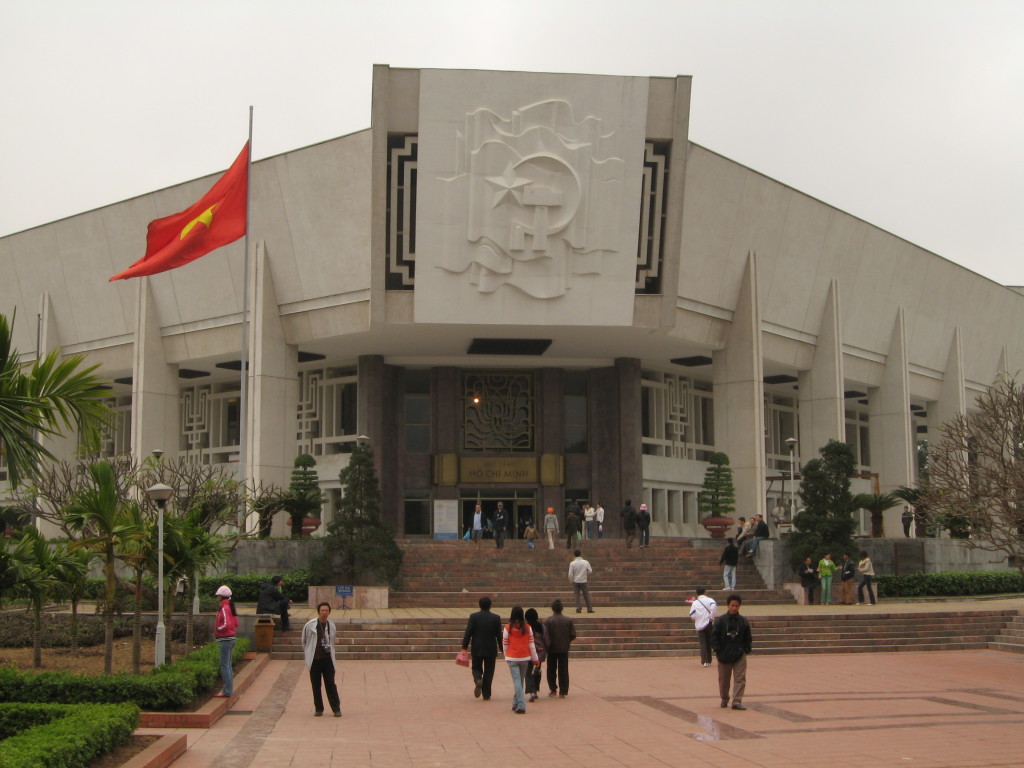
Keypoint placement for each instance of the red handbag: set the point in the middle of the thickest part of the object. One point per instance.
(462, 658)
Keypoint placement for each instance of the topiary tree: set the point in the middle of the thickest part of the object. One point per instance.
(360, 547)
(718, 497)
(826, 522)
(303, 498)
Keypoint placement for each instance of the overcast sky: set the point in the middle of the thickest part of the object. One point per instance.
(907, 114)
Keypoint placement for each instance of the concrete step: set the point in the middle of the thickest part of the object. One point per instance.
(674, 636)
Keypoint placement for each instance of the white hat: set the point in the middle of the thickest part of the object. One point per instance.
(223, 591)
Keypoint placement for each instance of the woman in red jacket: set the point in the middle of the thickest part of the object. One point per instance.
(224, 630)
(519, 649)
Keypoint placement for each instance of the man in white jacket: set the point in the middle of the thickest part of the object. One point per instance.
(318, 648)
(702, 611)
(579, 571)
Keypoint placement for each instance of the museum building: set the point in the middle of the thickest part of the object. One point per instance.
(528, 288)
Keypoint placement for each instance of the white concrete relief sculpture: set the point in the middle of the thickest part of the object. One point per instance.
(528, 200)
(532, 183)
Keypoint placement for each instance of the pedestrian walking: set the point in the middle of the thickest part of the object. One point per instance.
(628, 517)
(551, 527)
(572, 528)
(847, 574)
(729, 560)
(579, 573)
(559, 633)
(808, 579)
(826, 569)
(534, 671)
(731, 641)
(643, 525)
(483, 633)
(521, 653)
(702, 611)
(866, 569)
(318, 650)
(224, 632)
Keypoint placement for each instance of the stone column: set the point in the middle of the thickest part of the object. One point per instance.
(630, 443)
(822, 406)
(892, 443)
(155, 409)
(738, 378)
(273, 384)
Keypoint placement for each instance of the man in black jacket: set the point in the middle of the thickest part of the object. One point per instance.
(731, 641)
(760, 529)
(484, 632)
(628, 516)
(729, 559)
(559, 632)
(272, 601)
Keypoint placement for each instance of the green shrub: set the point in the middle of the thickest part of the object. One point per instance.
(63, 735)
(16, 629)
(169, 687)
(245, 588)
(950, 584)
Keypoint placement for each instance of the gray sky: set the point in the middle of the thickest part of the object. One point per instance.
(909, 114)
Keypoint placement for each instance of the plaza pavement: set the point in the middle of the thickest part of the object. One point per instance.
(925, 710)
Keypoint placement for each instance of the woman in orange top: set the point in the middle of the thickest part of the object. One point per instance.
(520, 651)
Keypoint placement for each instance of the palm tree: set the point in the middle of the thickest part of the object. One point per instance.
(104, 519)
(876, 504)
(39, 570)
(190, 549)
(72, 571)
(40, 400)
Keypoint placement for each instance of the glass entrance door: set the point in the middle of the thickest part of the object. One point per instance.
(520, 504)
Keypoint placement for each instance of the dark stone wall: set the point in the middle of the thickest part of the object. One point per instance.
(612, 470)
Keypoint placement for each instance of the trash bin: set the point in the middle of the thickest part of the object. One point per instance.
(264, 634)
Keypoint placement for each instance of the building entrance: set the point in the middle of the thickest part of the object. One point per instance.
(521, 505)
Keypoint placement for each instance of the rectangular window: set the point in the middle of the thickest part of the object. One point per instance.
(417, 411)
(417, 513)
(574, 412)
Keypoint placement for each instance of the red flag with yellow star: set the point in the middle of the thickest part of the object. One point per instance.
(218, 218)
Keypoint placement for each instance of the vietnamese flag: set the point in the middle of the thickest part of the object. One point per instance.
(218, 218)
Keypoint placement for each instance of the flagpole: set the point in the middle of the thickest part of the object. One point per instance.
(243, 432)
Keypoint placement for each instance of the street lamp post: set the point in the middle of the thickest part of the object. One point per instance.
(160, 493)
(791, 442)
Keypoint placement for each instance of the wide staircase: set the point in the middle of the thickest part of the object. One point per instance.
(419, 639)
(1010, 637)
(457, 573)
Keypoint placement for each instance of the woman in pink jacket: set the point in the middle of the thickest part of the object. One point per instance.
(520, 651)
(224, 630)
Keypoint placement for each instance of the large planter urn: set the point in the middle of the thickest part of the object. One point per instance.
(717, 526)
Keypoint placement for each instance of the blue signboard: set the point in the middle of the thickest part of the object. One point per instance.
(344, 591)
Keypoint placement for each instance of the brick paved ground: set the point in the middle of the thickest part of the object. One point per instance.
(925, 710)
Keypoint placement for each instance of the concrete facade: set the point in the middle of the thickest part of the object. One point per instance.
(558, 242)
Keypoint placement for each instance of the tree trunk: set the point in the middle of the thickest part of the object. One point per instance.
(74, 623)
(137, 626)
(37, 637)
(190, 618)
(878, 525)
(108, 615)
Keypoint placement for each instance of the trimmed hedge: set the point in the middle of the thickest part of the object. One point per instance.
(63, 735)
(245, 587)
(167, 688)
(950, 584)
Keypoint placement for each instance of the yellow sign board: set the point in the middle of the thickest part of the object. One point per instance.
(473, 470)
